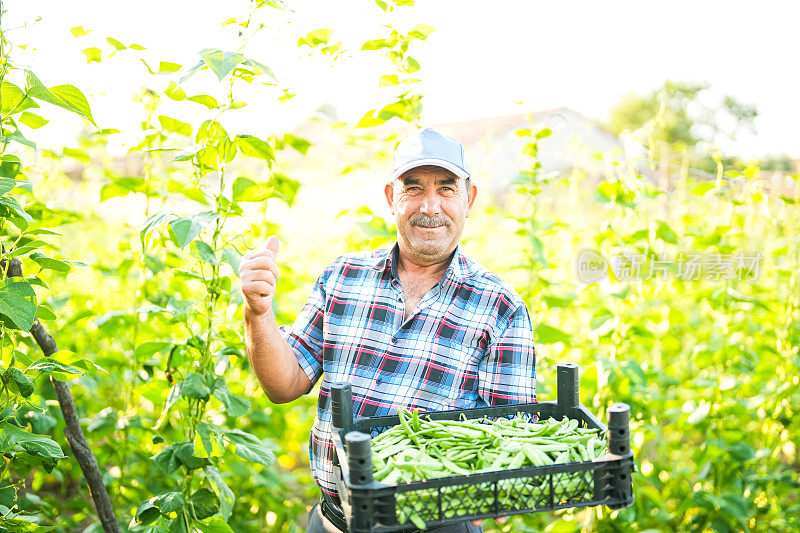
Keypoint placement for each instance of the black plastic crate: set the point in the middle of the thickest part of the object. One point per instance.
(371, 506)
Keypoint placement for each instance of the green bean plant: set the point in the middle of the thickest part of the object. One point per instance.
(407, 105)
(199, 408)
(28, 261)
(693, 322)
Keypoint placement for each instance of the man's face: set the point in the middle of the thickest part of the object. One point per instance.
(430, 205)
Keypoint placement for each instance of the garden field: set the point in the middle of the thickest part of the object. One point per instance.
(677, 292)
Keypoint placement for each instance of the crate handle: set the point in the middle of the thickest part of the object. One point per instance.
(619, 432)
(568, 387)
(342, 406)
(619, 443)
(359, 459)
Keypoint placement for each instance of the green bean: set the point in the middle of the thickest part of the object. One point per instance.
(582, 452)
(450, 465)
(393, 476)
(562, 457)
(383, 472)
(417, 521)
(517, 461)
(419, 448)
(500, 461)
(391, 450)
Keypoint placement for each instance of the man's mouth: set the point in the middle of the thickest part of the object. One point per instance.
(430, 222)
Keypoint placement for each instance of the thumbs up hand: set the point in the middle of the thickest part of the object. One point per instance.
(258, 272)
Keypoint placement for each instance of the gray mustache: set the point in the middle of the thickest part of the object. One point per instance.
(431, 222)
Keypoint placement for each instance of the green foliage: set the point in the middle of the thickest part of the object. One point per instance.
(17, 304)
(25, 263)
(223, 64)
(407, 105)
(190, 251)
(682, 121)
(320, 39)
(679, 115)
(704, 363)
(67, 97)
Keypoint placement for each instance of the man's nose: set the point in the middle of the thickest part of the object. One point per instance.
(431, 204)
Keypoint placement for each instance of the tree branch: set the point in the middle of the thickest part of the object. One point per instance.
(72, 431)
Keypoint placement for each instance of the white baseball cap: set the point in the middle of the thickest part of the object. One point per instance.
(429, 147)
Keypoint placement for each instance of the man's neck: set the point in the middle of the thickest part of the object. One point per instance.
(406, 265)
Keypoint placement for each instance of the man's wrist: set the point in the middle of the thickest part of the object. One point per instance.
(267, 316)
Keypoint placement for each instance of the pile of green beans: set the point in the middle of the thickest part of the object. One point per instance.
(419, 448)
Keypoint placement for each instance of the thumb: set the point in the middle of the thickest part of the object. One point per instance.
(273, 244)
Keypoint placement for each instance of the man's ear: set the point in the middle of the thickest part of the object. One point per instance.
(389, 192)
(472, 193)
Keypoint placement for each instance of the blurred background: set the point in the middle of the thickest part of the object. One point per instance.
(637, 167)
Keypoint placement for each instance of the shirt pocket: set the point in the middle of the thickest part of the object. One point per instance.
(457, 345)
(451, 366)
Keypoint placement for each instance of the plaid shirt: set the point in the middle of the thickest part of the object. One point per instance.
(467, 344)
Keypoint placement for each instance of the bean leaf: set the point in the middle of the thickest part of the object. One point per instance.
(50, 263)
(204, 252)
(170, 502)
(217, 525)
(234, 405)
(10, 207)
(147, 513)
(148, 348)
(67, 97)
(204, 99)
(12, 98)
(12, 436)
(255, 147)
(247, 190)
(174, 125)
(16, 377)
(57, 369)
(204, 502)
(226, 496)
(549, 335)
(8, 184)
(150, 225)
(194, 386)
(181, 453)
(221, 63)
(249, 447)
(32, 120)
(185, 230)
(17, 304)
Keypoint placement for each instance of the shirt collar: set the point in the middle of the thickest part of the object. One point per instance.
(458, 268)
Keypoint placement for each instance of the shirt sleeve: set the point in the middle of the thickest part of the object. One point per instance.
(305, 336)
(507, 373)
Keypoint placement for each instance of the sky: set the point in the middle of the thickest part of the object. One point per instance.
(483, 59)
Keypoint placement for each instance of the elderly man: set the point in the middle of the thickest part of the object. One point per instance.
(417, 326)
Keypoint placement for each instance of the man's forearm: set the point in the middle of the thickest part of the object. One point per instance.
(272, 359)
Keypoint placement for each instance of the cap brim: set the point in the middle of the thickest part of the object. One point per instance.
(460, 172)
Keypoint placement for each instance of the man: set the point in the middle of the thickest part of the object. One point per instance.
(417, 326)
